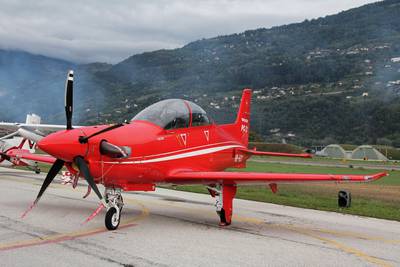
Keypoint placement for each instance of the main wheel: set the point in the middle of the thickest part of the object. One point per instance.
(222, 216)
(112, 219)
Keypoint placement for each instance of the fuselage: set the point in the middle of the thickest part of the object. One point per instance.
(155, 152)
(169, 136)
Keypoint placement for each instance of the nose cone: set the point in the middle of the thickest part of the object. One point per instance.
(64, 145)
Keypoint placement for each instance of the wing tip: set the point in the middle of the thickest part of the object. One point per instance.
(376, 176)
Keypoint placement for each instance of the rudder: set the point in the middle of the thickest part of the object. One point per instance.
(242, 123)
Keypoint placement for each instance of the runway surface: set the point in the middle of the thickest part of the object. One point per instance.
(171, 228)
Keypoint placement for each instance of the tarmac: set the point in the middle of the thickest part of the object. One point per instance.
(173, 228)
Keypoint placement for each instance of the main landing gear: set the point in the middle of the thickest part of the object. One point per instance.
(224, 195)
(115, 204)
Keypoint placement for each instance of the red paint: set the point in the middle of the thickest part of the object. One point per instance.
(274, 187)
(228, 194)
(177, 156)
(19, 153)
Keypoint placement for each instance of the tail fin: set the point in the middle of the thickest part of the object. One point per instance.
(242, 123)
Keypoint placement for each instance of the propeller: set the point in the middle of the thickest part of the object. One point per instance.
(69, 98)
(4, 156)
(84, 169)
(78, 160)
(57, 166)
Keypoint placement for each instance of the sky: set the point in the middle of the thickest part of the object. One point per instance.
(110, 31)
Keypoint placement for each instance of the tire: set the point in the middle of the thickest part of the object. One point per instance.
(344, 199)
(111, 221)
(222, 217)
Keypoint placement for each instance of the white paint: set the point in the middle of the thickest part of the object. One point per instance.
(207, 135)
(184, 138)
(180, 156)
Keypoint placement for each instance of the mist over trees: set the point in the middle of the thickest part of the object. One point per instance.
(335, 78)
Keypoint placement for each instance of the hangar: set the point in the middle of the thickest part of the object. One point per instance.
(367, 153)
(333, 151)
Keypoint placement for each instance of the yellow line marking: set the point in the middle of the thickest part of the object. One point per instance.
(324, 231)
(310, 232)
(355, 235)
(258, 221)
(345, 248)
(75, 234)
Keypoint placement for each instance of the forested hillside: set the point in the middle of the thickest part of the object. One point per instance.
(331, 79)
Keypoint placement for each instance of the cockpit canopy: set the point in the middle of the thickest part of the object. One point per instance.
(174, 114)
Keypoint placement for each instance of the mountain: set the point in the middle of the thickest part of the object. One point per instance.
(35, 83)
(308, 78)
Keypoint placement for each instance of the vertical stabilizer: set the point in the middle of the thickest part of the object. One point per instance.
(242, 123)
(240, 129)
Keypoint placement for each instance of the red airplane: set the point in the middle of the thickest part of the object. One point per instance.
(170, 142)
(20, 156)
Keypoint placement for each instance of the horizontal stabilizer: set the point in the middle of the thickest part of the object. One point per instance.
(254, 152)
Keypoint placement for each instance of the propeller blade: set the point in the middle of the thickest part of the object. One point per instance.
(84, 169)
(57, 166)
(4, 156)
(69, 98)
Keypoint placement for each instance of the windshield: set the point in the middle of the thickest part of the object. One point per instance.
(199, 116)
(168, 114)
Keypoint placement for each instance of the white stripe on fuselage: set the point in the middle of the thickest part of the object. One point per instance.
(192, 149)
(179, 156)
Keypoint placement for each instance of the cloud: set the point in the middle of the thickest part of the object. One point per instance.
(109, 31)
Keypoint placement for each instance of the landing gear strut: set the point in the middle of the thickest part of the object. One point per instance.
(35, 168)
(224, 195)
(115, 204)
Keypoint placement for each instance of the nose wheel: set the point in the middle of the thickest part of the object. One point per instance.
(115, 203)
(113, 217)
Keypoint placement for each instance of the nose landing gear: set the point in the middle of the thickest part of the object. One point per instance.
(115, 204)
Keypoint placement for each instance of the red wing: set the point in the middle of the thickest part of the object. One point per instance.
(253, 152)
(25, 154)
(263, 178)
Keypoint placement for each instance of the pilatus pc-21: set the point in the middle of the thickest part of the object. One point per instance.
(170, 142)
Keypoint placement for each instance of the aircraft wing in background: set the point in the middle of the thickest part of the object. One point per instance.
(43, 129)
(22, 154)
(32, 129)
